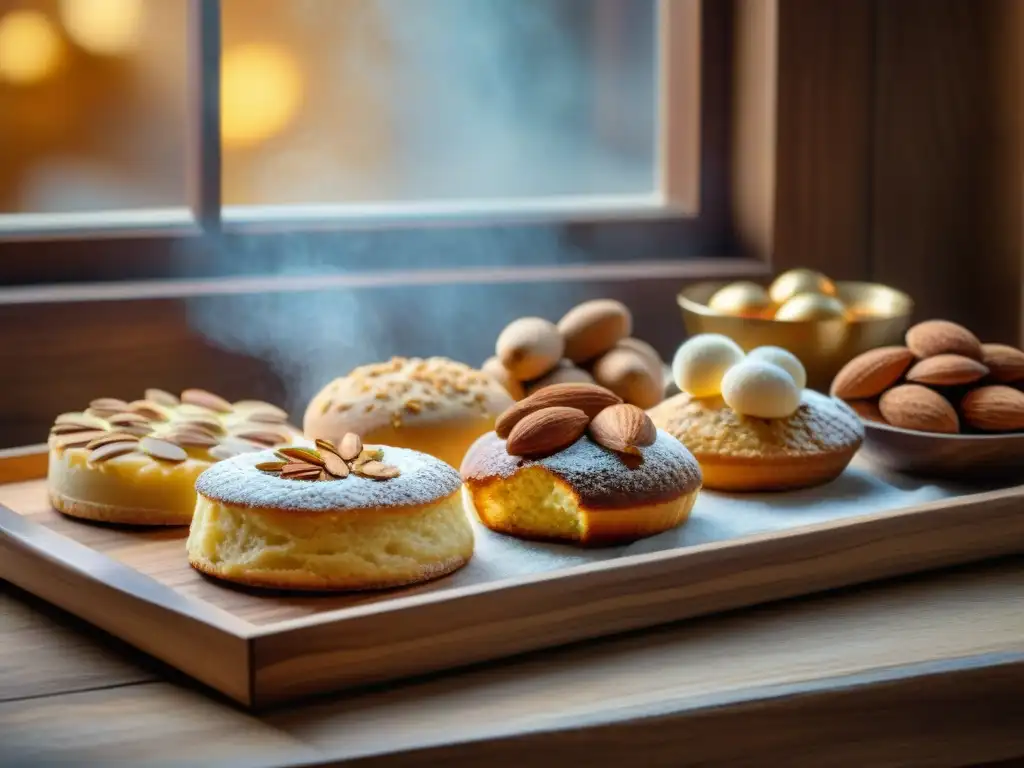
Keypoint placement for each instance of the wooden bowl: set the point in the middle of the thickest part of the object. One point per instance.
(880, 317)
(951, 457)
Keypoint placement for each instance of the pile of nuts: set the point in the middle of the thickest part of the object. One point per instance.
(591, 343)
(944, 380)
(794, 296)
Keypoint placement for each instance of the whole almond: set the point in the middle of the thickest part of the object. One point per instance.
(995, 408)
(947, 371)
(593, 327)
(1005, 363)
(351, 446)
(206, 399)
(628, 374)
(492, 367)
(589, 398)
(871, 373)
(623, 428)
(565, 373)
(911, 406)
(649, 353)
(941, 337)
(547, 431)
(529, 347)
(334, 464)
(866, 409)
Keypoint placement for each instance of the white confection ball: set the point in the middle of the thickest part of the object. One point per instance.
(783, 358)
(760, 389)
(701, 361)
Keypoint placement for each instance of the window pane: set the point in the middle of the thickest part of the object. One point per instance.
(408, 100)
(92, 105)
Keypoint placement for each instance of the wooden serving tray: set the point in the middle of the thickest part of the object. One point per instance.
(262, 648)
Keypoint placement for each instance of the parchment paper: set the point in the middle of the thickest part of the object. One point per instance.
(860, 490)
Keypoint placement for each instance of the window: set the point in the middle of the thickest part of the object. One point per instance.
(576, 128)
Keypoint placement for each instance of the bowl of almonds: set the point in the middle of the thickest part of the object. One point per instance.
(943, 404)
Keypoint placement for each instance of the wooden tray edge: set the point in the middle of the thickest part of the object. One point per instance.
(371, 645)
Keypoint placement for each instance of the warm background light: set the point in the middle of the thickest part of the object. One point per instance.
(30, 47)
(261, 92)
(106, 27)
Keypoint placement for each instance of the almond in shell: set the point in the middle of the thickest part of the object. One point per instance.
(565, 373)
(996, 408)
(623, 428)
(589, 398)
(941, 337)
(629, 374)
(492, 367)
(947, 371)
(912, 406)
(547, 431)
(871, 373)
(1005, 363)
(529, 347)
(593, 327)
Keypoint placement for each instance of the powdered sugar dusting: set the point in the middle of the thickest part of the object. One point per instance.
(600, 477)
(423, 480)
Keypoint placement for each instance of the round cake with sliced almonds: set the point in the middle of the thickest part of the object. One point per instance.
(136, 462)
(330, 517)
(573, 463)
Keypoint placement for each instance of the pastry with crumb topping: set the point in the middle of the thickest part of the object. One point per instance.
(573, 463)
(330, 517)
(434, 405)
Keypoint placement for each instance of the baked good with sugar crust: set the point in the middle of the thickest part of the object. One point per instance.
(434, 405)
(383, 517)
(751, 424)
(600, 476)
(137, 462)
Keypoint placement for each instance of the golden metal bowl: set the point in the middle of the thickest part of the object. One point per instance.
(881, 316)
(952, 457)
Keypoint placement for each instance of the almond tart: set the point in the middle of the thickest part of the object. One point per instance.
(573, 463)
(333, 517)
(137, 462)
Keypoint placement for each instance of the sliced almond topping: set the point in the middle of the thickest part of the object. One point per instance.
(149, 409)
(160, 397)
(334, 464)
(186, 437)
(261, 436)
(110, 450)
(164, 450)
(264, 409)
(351, 446)
(112, 437)
(221, 452)
(191, 409)
(69, 429)
(140, 430)
(327, 445)
(301, 454)
(128, 418)
(377, 470)
(368, 454)
(271, 466)
(266, 417)
(108, 404)
(206, 399)
(81, 420)
(325, 475)
(77, 440)
(211, 425)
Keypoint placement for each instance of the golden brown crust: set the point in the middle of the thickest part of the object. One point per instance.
(433, 405)
(106, 513)
(738, 453)
(296, 580)
(598, 478)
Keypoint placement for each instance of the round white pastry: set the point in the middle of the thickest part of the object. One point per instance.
(783, 358)
(701, 362)
(760, 389)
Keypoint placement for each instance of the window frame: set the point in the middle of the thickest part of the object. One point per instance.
(684, 217)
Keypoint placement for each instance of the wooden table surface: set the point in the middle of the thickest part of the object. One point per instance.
(926, 670)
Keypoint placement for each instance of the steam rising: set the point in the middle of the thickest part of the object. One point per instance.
(485, 98)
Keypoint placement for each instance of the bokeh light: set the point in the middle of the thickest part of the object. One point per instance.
(104, 27)
(261, 92)
(31, 49)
